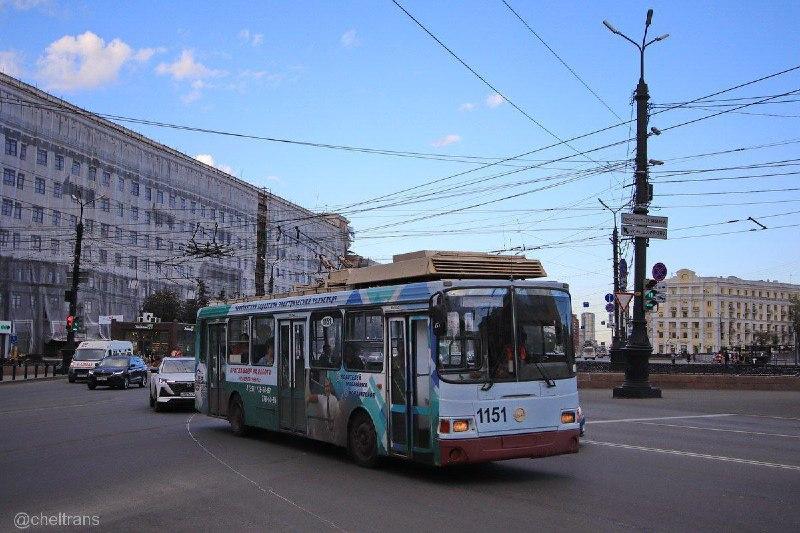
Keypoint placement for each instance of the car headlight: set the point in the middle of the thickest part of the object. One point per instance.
(91, 372)
(119, 373)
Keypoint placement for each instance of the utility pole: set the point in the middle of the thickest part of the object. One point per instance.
(616, 340)
(638, 349)
(66, 354)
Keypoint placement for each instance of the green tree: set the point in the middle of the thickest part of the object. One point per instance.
(164, 304)
(794, 317)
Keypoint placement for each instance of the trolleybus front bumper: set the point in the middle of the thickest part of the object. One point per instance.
(484, 449)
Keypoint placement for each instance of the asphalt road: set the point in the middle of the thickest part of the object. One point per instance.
(695, 460)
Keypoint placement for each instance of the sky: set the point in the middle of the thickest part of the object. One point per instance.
(363, 74)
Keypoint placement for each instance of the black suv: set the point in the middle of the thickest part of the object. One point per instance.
(118, 371)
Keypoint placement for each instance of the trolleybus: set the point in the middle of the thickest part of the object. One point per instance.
(438, 357)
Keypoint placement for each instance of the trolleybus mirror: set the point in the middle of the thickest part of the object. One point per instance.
(438, 317)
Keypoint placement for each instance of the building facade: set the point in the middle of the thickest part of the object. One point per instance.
(153, 218)
(705, 314)
(588, 333)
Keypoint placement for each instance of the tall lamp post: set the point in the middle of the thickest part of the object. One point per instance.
(637, 351)
(616, 341)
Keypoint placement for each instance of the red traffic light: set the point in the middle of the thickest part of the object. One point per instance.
(70, 320)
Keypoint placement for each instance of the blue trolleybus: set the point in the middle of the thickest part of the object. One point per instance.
(438, 357)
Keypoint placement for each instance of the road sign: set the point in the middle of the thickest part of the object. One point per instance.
(5, 326)
(659, 271)
(633, 219)
(609, 307)
(610, 298)
(12, 339)
(660, 297)
(624, 298)
(586, 304)
(644, 231)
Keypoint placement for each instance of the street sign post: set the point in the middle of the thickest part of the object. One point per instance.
(659, 271)
(633, 219)
(644, 231)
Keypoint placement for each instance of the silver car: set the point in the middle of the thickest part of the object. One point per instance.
(172, 383)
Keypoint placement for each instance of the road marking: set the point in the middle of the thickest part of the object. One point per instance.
(771, 416)
(267, 490)
(692, 454)
(724, 430)
(656, 418)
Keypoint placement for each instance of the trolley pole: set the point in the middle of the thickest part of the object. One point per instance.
(638, 350)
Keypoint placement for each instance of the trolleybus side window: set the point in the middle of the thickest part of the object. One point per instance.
(363, 346)
(263, 341)
(326, 340)
(239, 341)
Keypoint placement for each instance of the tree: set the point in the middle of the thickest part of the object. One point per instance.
(164, 304)
(192, 306)
(794, 319)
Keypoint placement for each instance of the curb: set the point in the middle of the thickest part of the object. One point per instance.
(32, 380)
(602, 380)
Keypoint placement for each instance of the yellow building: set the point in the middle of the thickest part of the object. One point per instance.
(703, 314)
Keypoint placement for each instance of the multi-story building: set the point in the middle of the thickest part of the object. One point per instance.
(704, 314)
(153, 218)
(587, 328)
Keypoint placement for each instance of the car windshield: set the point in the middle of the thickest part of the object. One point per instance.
(178, 366)
(481, 342)
(89, 354)
(116, 362)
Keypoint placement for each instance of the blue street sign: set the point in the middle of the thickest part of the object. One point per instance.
(12, 339)
(610, 308)
(586, 304)
(610, 298)
(659, 271)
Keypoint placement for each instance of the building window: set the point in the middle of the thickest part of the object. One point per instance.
(7, 207)
(132, 262)
(92, 174)
(145, 241)
(222, 218)
(18, 210)
(202, 211)
(104, 230)
(148, 194)
(106, 178)
(11, 147)
(120, 184)
(160, 197)
(213, 214)
(118, 234)
(135, 188)
(3, 238)
(9, 177)
(118, 259)
(193, 207)
(172, 200)
(40, 185)
(103, 256)
(41, 156)
(23, 151)
(57, 189)
(120, 209)
(37, 214)
(158, 243)
(36, 243)
(73, 221)
(147, 217)
(54, 245)
(134, 213)
(59, 162)
(88, 226)
(76, 168)
(56, 218)
(183, 203)
(105, 205)
(20, 181)
(132, 238)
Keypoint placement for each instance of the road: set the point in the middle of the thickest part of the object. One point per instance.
(695, 460)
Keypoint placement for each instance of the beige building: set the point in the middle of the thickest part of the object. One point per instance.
(703, 314)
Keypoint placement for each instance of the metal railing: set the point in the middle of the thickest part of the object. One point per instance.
(21, 371)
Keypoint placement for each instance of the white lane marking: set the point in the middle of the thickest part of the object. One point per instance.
(724, 430)
(692, 454)
(771, 416)
(255, 483)
(656, 418)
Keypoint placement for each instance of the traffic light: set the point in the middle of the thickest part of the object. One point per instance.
(650, 294)
(70, 322)
(78, 324)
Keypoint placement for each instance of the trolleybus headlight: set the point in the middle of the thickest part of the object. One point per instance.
(444, 425)
(568, 417)
(460, 425)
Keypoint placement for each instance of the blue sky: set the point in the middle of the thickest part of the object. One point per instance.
(363, 74)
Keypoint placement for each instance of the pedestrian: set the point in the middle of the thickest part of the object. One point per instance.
(726, 356)
(688, 357)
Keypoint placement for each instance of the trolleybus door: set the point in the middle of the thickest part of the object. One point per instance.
(291, 372)
(216, 369)
(409, 376)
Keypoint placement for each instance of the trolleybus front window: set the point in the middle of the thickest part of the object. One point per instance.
(544, 338)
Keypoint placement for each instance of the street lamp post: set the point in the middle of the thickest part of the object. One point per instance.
(616, 340)
(638, 349)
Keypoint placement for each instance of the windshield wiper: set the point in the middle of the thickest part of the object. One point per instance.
(489, 383)
(547, 378)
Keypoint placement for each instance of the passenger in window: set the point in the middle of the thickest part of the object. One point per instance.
(268, 357)
(323, 408)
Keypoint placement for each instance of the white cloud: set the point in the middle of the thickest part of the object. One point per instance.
(494, 100)
(11, 63)
(85, 61)
(447, 139)
(146, 53)
(469, 106)
(186, 68)
(208, 159)
(350, 39)
(251, 38)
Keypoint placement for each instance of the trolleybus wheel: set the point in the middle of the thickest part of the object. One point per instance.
(236, 417)
(362, 442)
